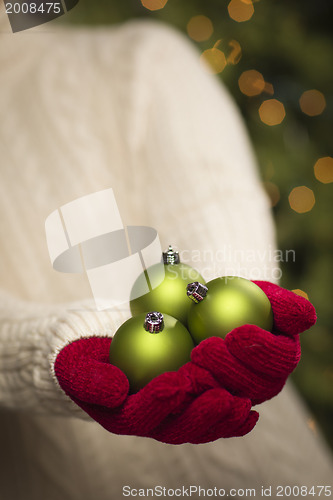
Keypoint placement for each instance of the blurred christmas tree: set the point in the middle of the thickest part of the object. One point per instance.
(276, 57)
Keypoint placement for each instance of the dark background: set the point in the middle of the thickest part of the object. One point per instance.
(290, 44)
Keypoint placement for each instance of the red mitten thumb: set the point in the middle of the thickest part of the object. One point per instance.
(292, 313)
(252, 362)
(85, 374)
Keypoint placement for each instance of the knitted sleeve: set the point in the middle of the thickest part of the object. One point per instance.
(163, 132)
(30, 337)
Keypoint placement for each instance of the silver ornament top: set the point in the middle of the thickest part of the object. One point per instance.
(171, 256)
(196, 291)
(154, 322)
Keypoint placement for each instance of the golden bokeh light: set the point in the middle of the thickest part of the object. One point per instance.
(323, 169)
(301, 293)
(312, 102)
(269, 89)
(251, 82)
(272, 112)
(301, 199)
(273, 192)
(236, 52)
(200, 28)
(154, 4)
(214, 60)
(241, 10)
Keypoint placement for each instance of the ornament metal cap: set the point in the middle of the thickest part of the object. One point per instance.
(154, 322)
(171, 256)
(196, 291)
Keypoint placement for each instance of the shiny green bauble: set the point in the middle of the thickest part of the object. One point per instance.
(169, 296)
(229, 302)
(142, 354)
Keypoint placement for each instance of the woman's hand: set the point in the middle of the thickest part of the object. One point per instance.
(254, 363)
(208, 398)
(188, 405)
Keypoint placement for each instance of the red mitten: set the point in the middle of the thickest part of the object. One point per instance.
(254, 363)
(176, 407)
(209, 397)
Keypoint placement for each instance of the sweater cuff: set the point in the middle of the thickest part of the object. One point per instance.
(29, 348)
(82, 323)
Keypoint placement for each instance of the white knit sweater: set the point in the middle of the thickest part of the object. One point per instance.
(129, 108)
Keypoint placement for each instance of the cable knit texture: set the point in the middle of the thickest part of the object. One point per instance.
(128, 107)
(133, 123)
(32, 337)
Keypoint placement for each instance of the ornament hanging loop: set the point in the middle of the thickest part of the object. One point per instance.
(196, 291)
(154, 322)
(171, 256)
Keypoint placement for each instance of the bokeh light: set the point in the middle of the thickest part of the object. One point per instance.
(200, 28)
(323, 169)
(273, 192)
(241, 10)
(251, 82)
(154, 4)
(236, 52)
(312, 102)
(272, 112)
(269, 89)
(301, 199)
(301, 293)
(214, 60)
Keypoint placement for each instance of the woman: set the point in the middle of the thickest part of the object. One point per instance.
(131, 108)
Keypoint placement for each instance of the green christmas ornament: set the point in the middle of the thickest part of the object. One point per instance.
(150, 344)
(224, 304)
(170, 296)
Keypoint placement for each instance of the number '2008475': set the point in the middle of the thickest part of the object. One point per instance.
(33, 8)
(302, 491)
